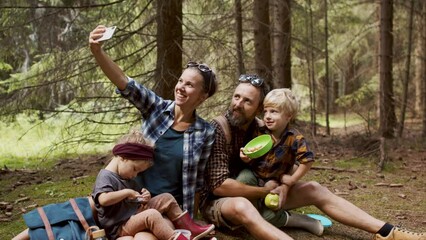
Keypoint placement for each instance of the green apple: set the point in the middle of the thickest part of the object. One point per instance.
(272, 201)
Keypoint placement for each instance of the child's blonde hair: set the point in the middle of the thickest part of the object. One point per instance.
(283, 99)
(134, 136)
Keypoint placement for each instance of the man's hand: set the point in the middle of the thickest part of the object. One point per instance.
(282, 191)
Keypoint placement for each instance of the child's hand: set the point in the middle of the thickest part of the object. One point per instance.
(145, 196)
(244, 157)
(131, 194)
(288, 179)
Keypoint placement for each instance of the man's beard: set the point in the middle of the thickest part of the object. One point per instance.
(237, 121)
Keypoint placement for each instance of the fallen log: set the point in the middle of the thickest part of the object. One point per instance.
(334, 169)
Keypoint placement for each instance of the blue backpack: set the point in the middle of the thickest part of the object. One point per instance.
(71, 220)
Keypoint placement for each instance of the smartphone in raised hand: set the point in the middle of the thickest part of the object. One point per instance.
(109, 31)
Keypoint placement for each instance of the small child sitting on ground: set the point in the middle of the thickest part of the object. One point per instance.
(123, 210)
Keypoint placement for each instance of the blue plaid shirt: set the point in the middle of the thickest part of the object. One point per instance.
(157, 117)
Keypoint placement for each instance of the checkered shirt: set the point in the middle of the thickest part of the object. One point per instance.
(157, 117)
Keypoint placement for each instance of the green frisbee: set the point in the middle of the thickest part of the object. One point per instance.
(258, 146)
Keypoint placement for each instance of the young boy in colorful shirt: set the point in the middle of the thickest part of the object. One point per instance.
(286, 163)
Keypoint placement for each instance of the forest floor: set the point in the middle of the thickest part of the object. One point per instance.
(346, 164)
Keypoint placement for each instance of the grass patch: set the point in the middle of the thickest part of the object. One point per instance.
(11, 229)
(355, 163)
(49, 192)
(368, 163)
(336, 120)
(41, 194)
(60, 191)
(30, 143)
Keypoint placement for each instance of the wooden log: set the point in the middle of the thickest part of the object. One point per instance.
(334, 169)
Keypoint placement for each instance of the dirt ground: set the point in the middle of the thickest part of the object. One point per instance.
(346, 165)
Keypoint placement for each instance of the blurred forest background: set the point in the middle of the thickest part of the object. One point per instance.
(360, 61)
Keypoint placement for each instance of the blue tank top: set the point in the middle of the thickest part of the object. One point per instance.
(165, 176)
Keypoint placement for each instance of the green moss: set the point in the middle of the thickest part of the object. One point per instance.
(355, 163)
(11, 229)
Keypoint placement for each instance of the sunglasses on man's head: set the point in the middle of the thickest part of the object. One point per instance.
(252, 79)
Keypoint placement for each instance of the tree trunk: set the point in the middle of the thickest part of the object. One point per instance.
(419, 64)
(424, 73)
(383, 154)
(262, 41)
(407, 70)
(387, 105)
(239, 31)
(169, 47)
(327, 80)
(282, 44)
(311, 70)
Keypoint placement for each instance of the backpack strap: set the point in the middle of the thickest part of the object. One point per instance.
(223, 123)
(79, 214)
(46, 223)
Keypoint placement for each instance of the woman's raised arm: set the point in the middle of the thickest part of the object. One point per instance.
(108, 66)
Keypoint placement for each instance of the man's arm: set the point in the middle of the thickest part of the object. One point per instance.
(233, 188)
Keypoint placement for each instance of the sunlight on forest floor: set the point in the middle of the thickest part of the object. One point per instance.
(25, 142)
(336, 120)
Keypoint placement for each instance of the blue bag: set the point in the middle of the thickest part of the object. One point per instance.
(68, 221)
